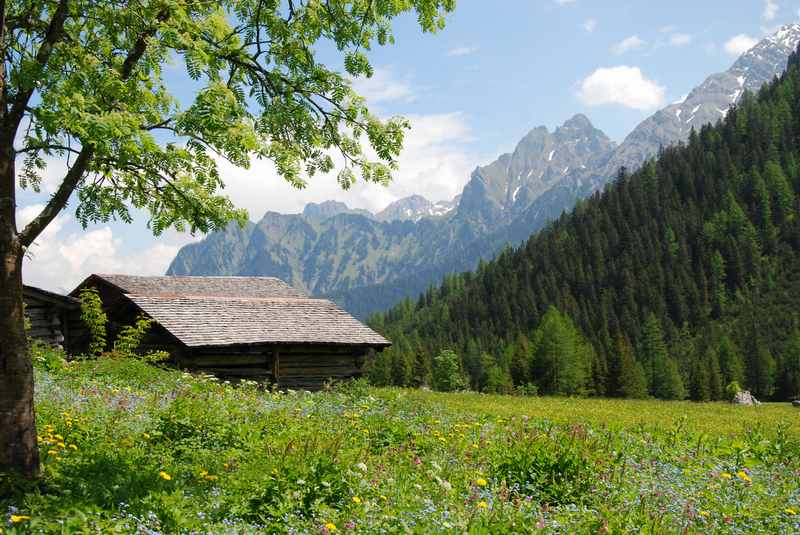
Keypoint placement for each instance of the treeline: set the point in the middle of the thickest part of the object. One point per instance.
(673, 282)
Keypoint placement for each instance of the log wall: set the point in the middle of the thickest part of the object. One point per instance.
(297, 367)
(52, 322)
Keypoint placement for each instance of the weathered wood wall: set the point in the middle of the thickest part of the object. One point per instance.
(287, 366)
(52, 322)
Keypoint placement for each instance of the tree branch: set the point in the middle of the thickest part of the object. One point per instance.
(59, 198)
(54, 33)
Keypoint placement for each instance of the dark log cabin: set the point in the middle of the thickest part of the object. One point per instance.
(256, 328)
(54, 319)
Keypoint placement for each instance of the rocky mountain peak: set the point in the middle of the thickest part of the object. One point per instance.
(414, 208)
(328, 209)
(539, 161)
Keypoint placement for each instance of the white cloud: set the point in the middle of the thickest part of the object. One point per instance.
(590, 25)
(623, 85)
(462, 50)
(770, 10)
(435, 163)
(384, 86)
(739, 44)
(59, 259)
(680, 39)
(629, 43)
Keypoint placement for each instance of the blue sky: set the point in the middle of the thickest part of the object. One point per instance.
(471, 91)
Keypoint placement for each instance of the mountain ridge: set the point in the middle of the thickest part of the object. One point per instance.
(414, 242)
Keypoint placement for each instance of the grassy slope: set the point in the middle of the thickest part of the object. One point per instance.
(129, 448)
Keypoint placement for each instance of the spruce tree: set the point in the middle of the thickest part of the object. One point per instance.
(631, 380)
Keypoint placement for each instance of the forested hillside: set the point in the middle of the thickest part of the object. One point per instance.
(674, 282)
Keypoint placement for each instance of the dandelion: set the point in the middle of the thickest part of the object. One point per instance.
(16, 519)
(356, 500)
(73, 447)
(743, 476)
(330, 526)
(483, 505)
(481, 482)
(725, 475)
(165, 476)
(52, 452)
(705, 514)
(383, 498)
(789, 511)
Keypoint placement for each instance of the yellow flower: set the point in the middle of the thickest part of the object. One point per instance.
(330, 526)
(73, 447)
(725, 475)
(165, 476)
(52, 452)
(743, 476)
(384, 498)
(356, 500)
(705, 513)
(16, 519)
(481, 482)
(146, 436)
(789, 511)
(483, 505)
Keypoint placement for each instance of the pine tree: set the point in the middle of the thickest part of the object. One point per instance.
(791, 367)
(699, 389)
(761, 370)
(730, 361)
(631, 380)
(561, 357)
(668, 382)
(653, 351)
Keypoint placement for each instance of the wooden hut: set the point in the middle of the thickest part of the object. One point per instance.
(54, 318)
(241, 327)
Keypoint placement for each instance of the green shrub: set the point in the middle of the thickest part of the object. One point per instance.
(447, 375)
(130, 337)
(94, 318)
(556, 471)
(732, 389)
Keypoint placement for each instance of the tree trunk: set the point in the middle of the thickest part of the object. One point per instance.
(18, 449)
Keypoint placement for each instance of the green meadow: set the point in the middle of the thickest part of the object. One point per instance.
(128, 447)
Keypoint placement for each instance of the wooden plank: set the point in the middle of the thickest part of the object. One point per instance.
(295, 362)
(244, 370)
(229, 360)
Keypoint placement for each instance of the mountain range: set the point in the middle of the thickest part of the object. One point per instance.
(679, 280)
(368, 262)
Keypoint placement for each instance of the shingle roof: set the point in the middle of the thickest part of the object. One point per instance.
(261, 287)
(213, 321)
(223, 311)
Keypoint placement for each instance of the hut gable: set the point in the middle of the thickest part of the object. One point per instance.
(237, 327)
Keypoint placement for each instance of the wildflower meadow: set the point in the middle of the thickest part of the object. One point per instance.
(129, 447)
